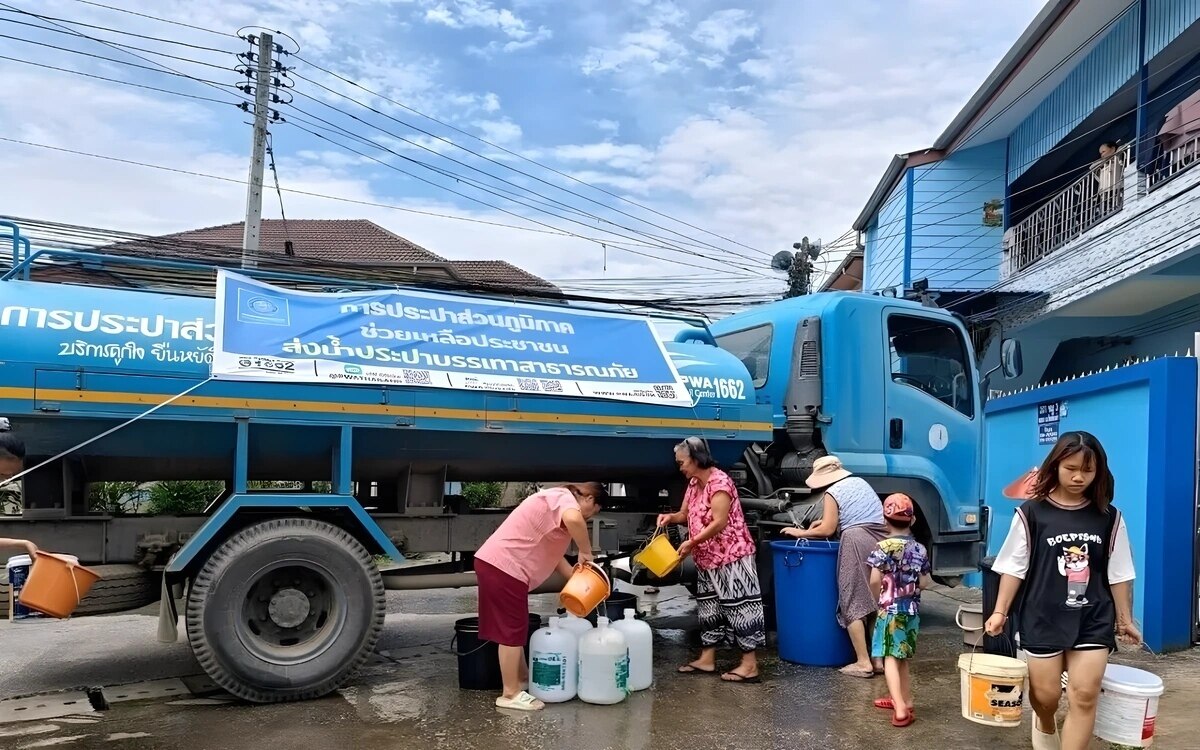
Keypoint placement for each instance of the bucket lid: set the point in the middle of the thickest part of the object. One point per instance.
(1130, 681)
(993, 665)
(17, 560)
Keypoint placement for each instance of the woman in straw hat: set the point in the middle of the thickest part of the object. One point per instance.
(854, 513)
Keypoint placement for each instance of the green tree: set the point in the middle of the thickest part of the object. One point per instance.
(181, 497)
(482, 494)
(113, 498)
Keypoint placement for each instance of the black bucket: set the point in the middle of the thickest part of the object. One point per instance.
(479, 661)
(614, 606)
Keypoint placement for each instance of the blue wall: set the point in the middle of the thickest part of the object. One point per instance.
(951, 246)
(1109, 65)
(886, 240)
(1167, 19)
(1145, 416)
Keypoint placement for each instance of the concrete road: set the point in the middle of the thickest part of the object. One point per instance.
(408, 696)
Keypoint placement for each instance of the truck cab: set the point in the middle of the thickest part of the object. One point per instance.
(887, 385)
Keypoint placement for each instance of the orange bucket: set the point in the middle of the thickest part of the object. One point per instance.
(585, 589)
(56, 584)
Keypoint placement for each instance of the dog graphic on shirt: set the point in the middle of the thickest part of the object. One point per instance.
(1073, 564)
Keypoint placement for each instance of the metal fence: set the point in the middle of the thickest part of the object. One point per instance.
(1176, 160)
(1092, 198)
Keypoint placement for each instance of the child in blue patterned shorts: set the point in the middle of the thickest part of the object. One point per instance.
(899, 570)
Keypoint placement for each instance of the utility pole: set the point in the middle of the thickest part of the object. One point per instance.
(254, 186)
(801, 267)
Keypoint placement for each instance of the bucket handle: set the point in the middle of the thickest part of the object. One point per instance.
(787, 556)
(958, 622)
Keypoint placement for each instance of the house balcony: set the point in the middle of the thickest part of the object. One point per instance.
(1094, 197)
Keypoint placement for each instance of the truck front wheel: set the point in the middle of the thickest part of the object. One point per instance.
(286, 609)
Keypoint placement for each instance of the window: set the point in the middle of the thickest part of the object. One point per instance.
(931, 356)
(753, 347)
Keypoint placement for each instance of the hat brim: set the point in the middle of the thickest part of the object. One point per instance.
(820, 481)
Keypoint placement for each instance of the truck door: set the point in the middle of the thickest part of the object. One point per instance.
(934, 419)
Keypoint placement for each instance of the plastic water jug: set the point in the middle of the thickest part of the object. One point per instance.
(577, 626)
(603, 665)
(553, 661)
(17, 572)
(640, 640)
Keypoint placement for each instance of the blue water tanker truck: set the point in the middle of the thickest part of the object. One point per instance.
(282, 590)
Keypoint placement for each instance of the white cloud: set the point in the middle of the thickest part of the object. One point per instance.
(725, 28)
(483, 14)
(655, 48)
(612, 127)
(758, 68)
(503, 132)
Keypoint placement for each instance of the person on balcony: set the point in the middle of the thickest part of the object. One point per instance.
(1107, 175)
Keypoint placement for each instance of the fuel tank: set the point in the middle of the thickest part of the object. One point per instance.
(76, 354)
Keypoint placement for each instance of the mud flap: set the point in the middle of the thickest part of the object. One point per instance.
(168, 618)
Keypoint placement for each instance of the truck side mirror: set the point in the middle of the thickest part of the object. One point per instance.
(1010, 358)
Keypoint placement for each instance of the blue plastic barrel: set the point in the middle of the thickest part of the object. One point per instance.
(806, 600)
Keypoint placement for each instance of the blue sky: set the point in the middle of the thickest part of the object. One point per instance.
(758, 121)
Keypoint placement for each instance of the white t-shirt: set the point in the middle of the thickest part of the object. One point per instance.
(1013, 558)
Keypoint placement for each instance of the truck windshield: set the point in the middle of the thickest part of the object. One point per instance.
(931, 356)
(753, 347)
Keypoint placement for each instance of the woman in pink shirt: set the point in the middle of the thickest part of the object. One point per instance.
(728, 596)
(518, 557)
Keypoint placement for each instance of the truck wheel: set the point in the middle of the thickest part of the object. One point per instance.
(285, 610)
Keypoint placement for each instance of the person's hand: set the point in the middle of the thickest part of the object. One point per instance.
(995, 624)
(31, 548)
(793, 531)
(663, 520)
(586, 556)
(1129, 634)
(685, 549)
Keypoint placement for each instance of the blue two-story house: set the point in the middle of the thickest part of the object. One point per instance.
(1061, 205)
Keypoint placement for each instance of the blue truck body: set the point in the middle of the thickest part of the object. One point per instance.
(118, 382)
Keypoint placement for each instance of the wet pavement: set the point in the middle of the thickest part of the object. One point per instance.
(408, 696)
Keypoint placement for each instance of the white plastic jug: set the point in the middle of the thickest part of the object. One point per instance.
(603, 665)
(553, 661)
(640, 640)
(574, 625)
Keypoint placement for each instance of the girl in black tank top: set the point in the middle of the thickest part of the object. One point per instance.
(1067, 562)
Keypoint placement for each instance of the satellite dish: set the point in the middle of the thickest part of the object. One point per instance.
(782, 260)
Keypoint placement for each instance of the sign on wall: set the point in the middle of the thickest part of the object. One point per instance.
(430, 339)
(1048, 416)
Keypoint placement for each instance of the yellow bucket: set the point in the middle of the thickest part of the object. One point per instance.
(659, 557)
(993, 689)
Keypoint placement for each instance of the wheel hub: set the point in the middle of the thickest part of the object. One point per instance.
(288, 608)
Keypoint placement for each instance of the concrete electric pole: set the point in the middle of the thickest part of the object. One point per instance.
(254, 186)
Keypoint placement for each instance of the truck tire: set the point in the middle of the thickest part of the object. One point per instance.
(121, 588)
(285, 610)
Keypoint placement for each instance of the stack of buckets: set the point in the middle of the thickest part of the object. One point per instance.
(51, 584)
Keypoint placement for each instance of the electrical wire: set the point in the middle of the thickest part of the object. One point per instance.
(155, 18)
(499, 148)
(56, 20)
(116, 80)
(114, 44)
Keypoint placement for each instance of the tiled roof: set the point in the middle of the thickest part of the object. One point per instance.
(497, 272)
(340, 240)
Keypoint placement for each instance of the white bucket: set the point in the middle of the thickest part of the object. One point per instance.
(969, 619)
(992, 689)
(1128, 706)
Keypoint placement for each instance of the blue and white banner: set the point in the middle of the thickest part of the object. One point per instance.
(411, 338)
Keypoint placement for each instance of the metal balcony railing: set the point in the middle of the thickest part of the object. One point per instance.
(1178, 159)
(1091, 199)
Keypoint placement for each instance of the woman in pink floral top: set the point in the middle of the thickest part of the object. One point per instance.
(728, 596)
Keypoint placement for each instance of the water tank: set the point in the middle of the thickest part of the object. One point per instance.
(553, 661)
(640, 640)
(603, 665)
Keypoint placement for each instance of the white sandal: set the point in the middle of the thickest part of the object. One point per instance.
(1042, 741)
(522, 701)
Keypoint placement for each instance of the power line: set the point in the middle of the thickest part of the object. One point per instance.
(14, 9)
(340, 199)
(115, 80)
(154, 18)
(499, 148)
(111, 44)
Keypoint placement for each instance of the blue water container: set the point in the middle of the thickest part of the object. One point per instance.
(806, 600)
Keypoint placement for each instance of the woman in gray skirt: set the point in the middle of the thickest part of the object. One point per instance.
(854, 513)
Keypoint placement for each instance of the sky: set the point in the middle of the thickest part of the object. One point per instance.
(651, 144)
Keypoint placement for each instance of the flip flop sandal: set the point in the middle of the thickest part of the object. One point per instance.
(740, 678)
(522, 701)
(864, 673)
(689, 669)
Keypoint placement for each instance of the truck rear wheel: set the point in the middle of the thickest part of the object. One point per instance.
(285, 610)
